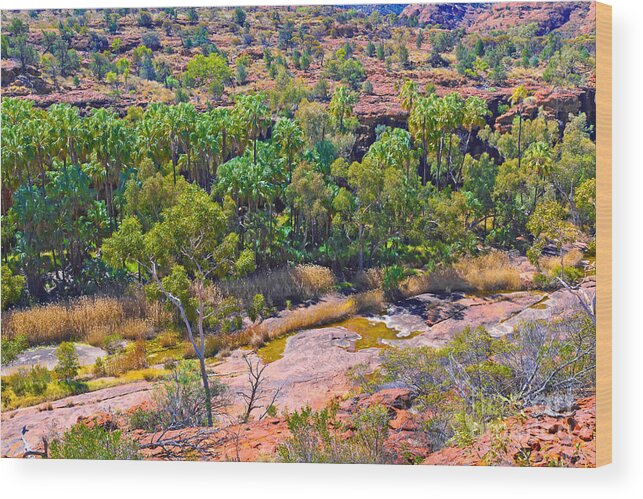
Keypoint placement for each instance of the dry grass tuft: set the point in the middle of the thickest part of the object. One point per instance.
(302, 282)
(132, 359)
(490, 272)
(371, 279)
(550, 265)
(85, 319)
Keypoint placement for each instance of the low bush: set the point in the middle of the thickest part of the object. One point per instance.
(10, 348)
(477, 380)
(29, 382)
(179, 402)
(318, 437)
(551, 264)
(131, 359)
(84, 442)
(68, 365)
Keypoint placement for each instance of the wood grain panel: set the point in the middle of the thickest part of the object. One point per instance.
(604, 234)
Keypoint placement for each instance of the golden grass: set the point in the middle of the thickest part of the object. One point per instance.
(551, 264)
(489, 272)
(85, 319)
(370, 279)
(132, 359)
(301, 282)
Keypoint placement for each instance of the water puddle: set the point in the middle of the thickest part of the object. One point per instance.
(373, 332)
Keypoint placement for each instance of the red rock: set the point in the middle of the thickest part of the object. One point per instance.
(396, 398)
(404, 421)
(586, 434)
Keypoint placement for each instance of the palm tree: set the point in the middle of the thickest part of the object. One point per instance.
(474, 113)
(517, 99)
(290, 138)
(254, 116)
(408, 94)
(341, 106)
(539, 158)
(423, 127)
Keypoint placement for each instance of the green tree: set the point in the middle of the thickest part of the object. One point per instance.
(253, 116)
(548, 224)
(211, 71)
(517, 99)
(67, 367)
(183, 255)
(341, 106)
(290, 138)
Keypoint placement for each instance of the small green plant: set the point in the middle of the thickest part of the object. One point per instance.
(83, 442)
(68, 365)
(99, 368)
(33, 381)
(391, 280)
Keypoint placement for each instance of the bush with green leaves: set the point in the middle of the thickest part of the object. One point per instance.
(32, 381)
(12, 347)
(84, 442)
(180, 400)
(13, 286)
(477, 379)
(68, 364)
(319, 437)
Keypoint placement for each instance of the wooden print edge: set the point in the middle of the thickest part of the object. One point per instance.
(603, 234)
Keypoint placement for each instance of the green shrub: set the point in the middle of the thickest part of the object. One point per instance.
(68, 365)
(33, 381)
(99, 368)
(391, 280)
(13, 286)
(180, 399)
(12, 347)
(317, 437)
(144, 419)
(83, 442)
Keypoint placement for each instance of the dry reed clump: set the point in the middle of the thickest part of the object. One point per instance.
(301, 282)
(315, 315)
(551, 264)
(85, 319)
(490, 272)
(370, 279)
(130, 360)
(169, 339)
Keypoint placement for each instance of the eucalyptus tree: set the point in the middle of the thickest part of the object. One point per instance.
(574, 162)
(185, 254)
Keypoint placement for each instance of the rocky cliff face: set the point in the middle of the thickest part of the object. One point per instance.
(564, 17)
